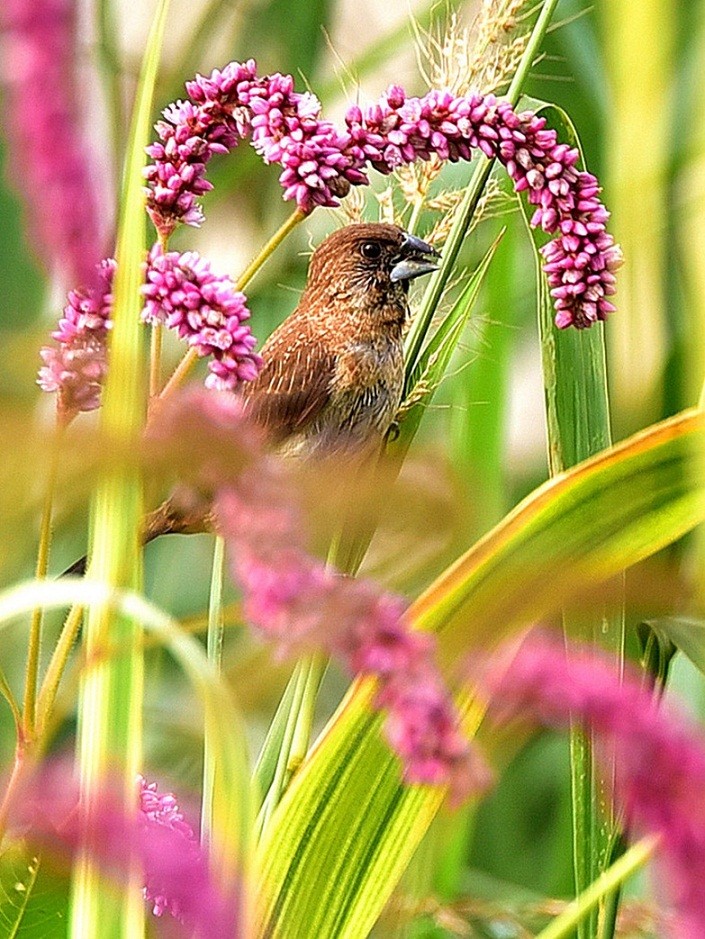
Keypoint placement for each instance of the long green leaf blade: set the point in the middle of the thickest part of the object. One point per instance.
(347, 828)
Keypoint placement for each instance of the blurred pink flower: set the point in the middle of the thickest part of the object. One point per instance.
(48, 158)
(158, 837)
(660, 759)
(75, 368)
(299, 604)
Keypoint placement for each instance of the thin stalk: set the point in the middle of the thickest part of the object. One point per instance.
(155, 359)
(298, 681)
(607, 883)
(269, 248)
(314, 669)
(35, 629)
(9, 696)
(109, 62)
(214, 649)
(56, 667)
(180, 374)
(190, 358)
(11, 785)
(464, 212)
(112, 690)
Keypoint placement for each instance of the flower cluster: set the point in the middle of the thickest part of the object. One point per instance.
(180, 291)
(301, 605)
(75, 368)
(206, 310)
(173, 883)
(191, 133)
(321, 162)
(660, 760)
(48, 156)
(175, 869)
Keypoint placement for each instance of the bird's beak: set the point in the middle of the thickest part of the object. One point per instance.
(416, 257)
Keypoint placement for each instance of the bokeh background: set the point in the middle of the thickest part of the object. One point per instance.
(629, 74)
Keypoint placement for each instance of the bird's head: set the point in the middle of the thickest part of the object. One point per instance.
(368, 265)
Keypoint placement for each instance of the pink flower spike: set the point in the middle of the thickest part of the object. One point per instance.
(175, 869)
(75, 368)
(300, 605)
(660, 759)
(49, 160)
(206, 310)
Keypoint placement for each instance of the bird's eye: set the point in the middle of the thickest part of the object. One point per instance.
(371, 250)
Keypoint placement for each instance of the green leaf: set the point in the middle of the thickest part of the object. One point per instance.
(427, 372)
(578, 423)
(33, 902)
(347, 828)
(685, 632)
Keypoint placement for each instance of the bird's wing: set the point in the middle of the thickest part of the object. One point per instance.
(294, 385)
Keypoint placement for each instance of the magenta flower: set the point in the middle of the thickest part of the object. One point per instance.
(174, 867)
(300, 605)
(49, 160)
(204, 308)
(190, 134)
(182, 292)
(660, 760)
(321, 162)
(75, 368)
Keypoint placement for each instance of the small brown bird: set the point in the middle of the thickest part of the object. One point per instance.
(333, 372)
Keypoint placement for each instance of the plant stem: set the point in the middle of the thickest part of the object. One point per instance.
(180, 374)
(8, 695)
(298, 683)
(56, 668)
(214, 646)
(466, 209)
(155, 359)
(608, 882)
(190, 358)
(305, 681)
(269, 248)
(35, 630)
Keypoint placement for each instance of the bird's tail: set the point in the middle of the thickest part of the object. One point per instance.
(167, 519)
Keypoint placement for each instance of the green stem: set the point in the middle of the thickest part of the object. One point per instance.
(109, 62)
(214, 647)
(35, 630)
(112, 687)
(8, 695)
(269, 248)
(155, 359)
(607, 883)
(314, 669)
(57, 666)
(298, 682)
(464, 212)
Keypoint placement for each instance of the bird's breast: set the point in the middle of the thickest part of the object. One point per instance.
(366, 390)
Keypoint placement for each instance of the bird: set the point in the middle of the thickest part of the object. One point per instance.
(333, 372)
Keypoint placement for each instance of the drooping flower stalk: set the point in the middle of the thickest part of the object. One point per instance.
(320, 162)
(660, 760)
(300, 605)
(48, 158)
